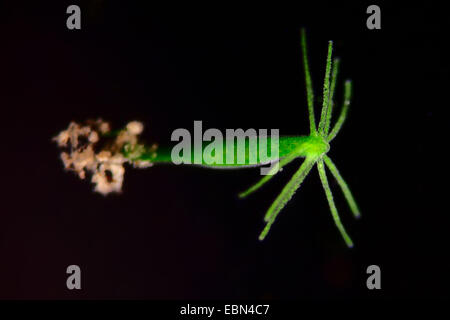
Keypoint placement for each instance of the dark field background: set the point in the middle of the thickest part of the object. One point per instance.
(181, 232)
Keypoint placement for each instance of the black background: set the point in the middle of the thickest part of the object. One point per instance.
(181, 232)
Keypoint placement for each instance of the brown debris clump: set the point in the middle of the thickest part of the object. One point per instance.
(81, 144)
